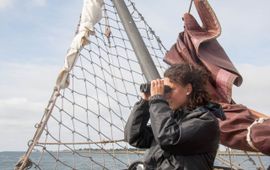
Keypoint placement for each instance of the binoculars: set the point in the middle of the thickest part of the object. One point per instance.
(146, 87)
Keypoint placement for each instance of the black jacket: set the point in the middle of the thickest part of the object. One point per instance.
(183, 139)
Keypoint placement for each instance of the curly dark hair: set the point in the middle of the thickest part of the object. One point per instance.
(185, 74)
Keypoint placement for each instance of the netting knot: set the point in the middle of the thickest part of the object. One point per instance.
(56, 88)
(21, 165)
(30, 143)
(46, 110)
(57, 93)
(37, 125)
(107, 32)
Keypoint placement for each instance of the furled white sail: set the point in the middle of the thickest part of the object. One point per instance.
(91, 14)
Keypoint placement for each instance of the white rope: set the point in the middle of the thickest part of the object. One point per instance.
(190, 6)
(248, 137)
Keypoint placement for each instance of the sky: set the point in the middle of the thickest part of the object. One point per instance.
(35, 35)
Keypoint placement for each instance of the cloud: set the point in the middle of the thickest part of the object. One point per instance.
(25, 91)
(34, 3)
(39, 2)
(20, 80)
(254, 92)
(5, 4)
(18, 117)
(12, 109)
(244, 32)
(243, 28)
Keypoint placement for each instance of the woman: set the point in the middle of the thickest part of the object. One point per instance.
(184, 131)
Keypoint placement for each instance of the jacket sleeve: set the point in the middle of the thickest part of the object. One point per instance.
(194, 135)
(137, 133)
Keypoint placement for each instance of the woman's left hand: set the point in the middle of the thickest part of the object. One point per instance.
(157, 87)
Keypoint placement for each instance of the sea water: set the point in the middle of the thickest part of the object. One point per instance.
(67, 160)
(9, 159)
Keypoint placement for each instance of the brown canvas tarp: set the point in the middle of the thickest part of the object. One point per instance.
(198, 46)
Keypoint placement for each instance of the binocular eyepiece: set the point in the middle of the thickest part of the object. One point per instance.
(146, 87)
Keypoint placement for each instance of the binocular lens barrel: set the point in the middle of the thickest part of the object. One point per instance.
(146, 87)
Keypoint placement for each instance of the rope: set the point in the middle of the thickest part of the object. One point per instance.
(21, 163)
(40, 128)
(190, 6)
(248, 137)
(80, 143)
(230, 159)
(227, 163)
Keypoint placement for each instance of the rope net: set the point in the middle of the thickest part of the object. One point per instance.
(85, 128)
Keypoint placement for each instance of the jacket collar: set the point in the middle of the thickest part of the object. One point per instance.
(214, 108)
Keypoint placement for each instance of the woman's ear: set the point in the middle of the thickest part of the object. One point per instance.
(188, 89)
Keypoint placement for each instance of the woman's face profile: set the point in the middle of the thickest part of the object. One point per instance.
(177, 97)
